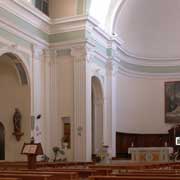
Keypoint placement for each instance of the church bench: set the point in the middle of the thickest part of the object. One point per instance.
(13, 165)
(83, 172)
(27, 176)
(10, 178)
(164, 174)
(79, 170)
(63, 164)
(69, 172)
(130, 166)
(56, 175)
(132, 178)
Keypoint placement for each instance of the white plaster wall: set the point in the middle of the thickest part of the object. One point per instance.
(13, 94)
(140, 105)
(62, 8)
(65, 97)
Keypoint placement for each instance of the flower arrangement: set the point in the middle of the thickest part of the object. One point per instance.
(103, 154)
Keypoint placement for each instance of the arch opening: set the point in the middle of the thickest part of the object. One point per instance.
(14, 93)
(97, 115)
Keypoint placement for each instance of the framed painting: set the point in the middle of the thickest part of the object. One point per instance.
(172, 102)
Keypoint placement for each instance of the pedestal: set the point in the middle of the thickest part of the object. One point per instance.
(31, 161)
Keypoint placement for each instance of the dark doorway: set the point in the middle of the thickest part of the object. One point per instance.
(2, 142)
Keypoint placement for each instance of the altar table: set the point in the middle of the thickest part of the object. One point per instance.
(150, 154)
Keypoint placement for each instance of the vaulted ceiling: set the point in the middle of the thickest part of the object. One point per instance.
(150, 28)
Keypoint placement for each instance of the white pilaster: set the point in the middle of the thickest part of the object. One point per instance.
(53, 105)
(114, 106)
(47, 103)
(37, 58)
(108, 108)
(82, 107)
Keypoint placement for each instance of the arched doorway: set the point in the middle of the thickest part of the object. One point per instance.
(14, 93)
(2, 142)
(97, 115)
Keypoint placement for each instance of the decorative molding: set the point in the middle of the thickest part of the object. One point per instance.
(63, 52)
(147, 61)
(116, 52)
(23, 57)
(20, 33)
(146, 75)
(7, 43)
(69, 24)
(30, 14)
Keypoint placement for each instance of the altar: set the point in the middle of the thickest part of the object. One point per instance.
(150, 154)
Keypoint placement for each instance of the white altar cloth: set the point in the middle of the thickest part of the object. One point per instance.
(150, 154)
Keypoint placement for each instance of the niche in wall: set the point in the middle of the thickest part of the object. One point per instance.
(66, 131)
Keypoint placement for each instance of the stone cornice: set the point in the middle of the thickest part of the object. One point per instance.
(28, 13)
(109, 46)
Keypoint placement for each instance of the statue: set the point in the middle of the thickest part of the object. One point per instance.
(17, 120)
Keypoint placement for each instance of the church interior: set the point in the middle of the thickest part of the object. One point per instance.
(89, 89)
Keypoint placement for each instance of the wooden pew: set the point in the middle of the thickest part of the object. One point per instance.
(73, 172)
(27, 176)
(10, 179)
(132, 178)
(55, 175)
(82, 172)
(63, 164)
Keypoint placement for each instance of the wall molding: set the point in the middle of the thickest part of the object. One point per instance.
(28, 13)
(106, 47)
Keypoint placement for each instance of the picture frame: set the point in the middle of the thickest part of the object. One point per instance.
(172, 102)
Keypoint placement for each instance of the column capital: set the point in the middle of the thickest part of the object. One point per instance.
(112, 67)
(79, 51)
(50, 55)
(82, 53)
(37, 52)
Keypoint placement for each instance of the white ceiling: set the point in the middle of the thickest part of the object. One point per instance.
(150, 28)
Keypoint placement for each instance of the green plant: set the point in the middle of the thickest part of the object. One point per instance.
(57, 151)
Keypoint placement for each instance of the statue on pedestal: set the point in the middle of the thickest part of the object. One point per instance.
(17, 124)
(17, 120)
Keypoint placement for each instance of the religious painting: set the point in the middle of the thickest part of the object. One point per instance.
(172, 102)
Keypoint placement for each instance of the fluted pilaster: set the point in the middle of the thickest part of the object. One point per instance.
(79, 103)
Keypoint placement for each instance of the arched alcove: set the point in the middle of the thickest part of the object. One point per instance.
(2, 142)
(14, 93)
(97, 115)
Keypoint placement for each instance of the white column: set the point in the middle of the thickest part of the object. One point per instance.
(36, 88)
(110, 109)
(114, 107)
(82, 104)
(51, 103)
(46, 141)
(108, 104)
